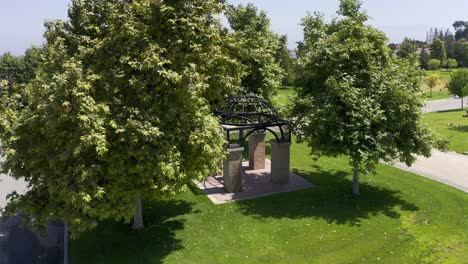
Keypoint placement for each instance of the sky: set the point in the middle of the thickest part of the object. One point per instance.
(21, 21)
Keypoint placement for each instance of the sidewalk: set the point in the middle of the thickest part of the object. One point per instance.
(443, 105)
(450, 168)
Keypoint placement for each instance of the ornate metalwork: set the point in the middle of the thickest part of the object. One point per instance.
(246, 114)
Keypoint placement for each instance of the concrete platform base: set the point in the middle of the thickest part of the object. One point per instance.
(254, 184)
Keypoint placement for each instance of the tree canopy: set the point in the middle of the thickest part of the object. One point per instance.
(432, 81)
(461, 30)
(461, 53)
(438, 50)
(256, 47)
(354, 99)
(120, 109)
(458, 84)
(19, 69)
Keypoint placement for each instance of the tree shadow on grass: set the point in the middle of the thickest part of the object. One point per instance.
(330, 200)
(113, 242)
(459, 128)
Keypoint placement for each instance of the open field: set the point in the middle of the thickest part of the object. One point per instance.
(438, 93)
(457, 132)
(399, 218)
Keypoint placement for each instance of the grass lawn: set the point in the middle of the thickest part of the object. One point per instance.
(457, 133)
(439, 92)
(399, 218)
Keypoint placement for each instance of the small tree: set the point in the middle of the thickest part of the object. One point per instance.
(283, 58)
(434, 64)
(452, 64)
(11, 69)
(354, 99)
(458, 84)
(424, 58)
(432, 81)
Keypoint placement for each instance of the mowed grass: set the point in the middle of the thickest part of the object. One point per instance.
(283, 97)
(453, 126)
(399, 218)
(439, 92)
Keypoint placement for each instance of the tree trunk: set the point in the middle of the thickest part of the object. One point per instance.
(462, 103)
(355, 183)
(430, 93)
(138, 217)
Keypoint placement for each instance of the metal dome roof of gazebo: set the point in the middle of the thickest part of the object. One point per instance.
(249, 114)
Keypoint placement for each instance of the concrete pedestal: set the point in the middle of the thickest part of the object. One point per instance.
(232, 170)
(280, 157)
(257, 151)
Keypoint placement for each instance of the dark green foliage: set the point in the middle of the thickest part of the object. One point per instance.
(458, 84)
(119, 109)
(461, 53)
(19, 69)
(452, 64)
(461, 30)
(408, 49)
(283, 57)
(255, 46)
(434, 64)
(438, 50)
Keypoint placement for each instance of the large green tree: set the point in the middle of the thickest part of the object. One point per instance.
(255, 46)
(119, 110)
(461, 30)
(354, 99)
(461, 53)
(283, 58)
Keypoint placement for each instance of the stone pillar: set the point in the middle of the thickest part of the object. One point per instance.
(280, 155)
(232, 170)
(257, 151)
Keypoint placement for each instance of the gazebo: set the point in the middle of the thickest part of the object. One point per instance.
(250, 117)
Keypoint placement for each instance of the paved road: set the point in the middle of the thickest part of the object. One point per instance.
(8, 184)
(443, 105)
(450, 168)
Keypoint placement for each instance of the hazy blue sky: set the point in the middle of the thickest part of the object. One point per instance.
(21, 21)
